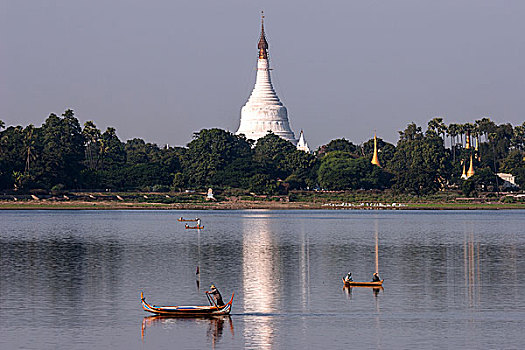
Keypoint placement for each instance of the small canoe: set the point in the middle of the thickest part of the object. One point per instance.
(193, 227)
(182, 219)
(362, 284)
(187, 311)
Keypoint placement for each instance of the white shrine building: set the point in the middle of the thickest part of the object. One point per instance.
(264, 112)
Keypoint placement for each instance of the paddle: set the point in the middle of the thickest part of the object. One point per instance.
(210, 299)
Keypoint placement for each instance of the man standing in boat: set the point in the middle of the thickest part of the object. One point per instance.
(375, 277)
(348, 277)
(214, 292)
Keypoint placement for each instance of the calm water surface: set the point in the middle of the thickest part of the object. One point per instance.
(453, 279)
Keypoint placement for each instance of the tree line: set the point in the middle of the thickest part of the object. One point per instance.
(63, 155)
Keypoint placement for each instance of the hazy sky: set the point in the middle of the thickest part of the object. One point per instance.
(163, 69)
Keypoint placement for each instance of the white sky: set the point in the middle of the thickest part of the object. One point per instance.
(162, 69)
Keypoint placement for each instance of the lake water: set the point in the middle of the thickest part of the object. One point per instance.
(453, 279)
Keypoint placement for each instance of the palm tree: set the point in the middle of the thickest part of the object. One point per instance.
(29, 147)
(461, 132)
(453, 130)
(469, 129)
(92, 137)
(437, 126)
(485, 126)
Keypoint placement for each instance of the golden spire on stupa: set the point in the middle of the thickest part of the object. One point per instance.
(468, 141)
(471, 171)
(375, 158)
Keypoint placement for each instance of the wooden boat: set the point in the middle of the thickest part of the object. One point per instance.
(187, 311)
(182, 219)
(193, 227)
(362, 284)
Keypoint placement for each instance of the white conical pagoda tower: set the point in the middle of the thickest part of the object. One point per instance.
(264, 111)
(302, 145)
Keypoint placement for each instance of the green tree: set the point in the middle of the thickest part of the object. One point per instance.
(437, 127)
(468, 188)
(63, 150)
(210, 152)
(93, 143)
(271, 156)
(412, 132)
(340, 171)
(263, 184)
(112, 150)
(513, 161)
(385, 151)
(420, 164)
(338, 145)
(178, 181)
(281, 161)
(518, 138)
(12, 155)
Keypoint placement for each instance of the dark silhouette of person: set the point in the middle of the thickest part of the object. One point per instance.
(376, 278)
(214, 292)
(348, 277)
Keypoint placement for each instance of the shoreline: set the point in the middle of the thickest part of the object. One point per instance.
(248, 205)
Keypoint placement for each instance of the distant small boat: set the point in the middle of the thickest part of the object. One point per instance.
(187, 311)
(193, 227)
(182, 219)
(348, 283)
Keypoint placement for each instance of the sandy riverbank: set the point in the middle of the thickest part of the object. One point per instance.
(237, 205)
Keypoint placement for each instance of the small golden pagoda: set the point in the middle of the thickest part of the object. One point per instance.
(471, 171)
(375, 159)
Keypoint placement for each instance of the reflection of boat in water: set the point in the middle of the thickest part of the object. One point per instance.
(187, 311)
(182, 219)
(193, 227)
(215, 324)
(376, 284)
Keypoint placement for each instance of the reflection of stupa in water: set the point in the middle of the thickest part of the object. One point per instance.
(260, 261)
(471, 269)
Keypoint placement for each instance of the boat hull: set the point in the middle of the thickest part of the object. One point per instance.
(362, 284)
(187, 311)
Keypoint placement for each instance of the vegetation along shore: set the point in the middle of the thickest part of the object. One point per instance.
(62, 164)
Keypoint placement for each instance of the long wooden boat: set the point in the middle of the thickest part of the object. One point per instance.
(362, 284)
(182, 219)
(193, 227)
(187, 311)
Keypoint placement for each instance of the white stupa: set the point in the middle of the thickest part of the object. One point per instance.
(302, 145)
(264, 111)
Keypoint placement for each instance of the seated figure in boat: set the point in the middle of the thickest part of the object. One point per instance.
(376, 278)
(348, 277)
(214, 292)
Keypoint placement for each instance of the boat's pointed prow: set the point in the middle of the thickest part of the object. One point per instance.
(141, 296)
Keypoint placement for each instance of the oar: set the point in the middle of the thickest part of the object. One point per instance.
(212, 299)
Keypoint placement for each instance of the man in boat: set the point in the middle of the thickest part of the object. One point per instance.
(214, 292)
(376, 278)
(348, 277)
